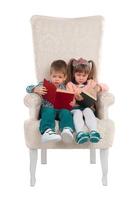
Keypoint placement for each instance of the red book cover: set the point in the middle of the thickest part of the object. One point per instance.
(59, 98)
(51, 93)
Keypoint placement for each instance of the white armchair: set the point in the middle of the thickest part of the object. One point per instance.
(62, 38)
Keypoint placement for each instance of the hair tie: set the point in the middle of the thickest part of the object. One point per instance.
(80, 61)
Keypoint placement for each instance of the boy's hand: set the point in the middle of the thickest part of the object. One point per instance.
(40, 90)
(72, 103)
(78, 97)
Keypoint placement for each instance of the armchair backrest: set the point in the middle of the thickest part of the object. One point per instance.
(65, 38)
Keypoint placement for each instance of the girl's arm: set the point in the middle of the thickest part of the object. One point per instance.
(103, 87)
(100, 87)
(70, 87)
(73, 88)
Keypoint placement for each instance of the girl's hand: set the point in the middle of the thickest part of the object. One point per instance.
(92, 83)
(40, 90)
(94, 87)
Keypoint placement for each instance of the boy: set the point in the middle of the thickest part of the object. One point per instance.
(58, 75)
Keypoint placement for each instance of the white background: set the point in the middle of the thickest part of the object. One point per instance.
(68, 174)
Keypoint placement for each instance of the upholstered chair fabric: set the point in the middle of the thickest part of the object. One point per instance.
(61, 38)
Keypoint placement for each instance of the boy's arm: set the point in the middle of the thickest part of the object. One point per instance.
(33, 101)
(38, 89)
(30, 88)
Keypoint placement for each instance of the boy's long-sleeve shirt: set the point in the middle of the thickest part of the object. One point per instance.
(45, 103)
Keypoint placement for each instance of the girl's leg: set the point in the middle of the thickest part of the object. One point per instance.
(81, 137)
(90, 119)
(78, 120)
(91, 123)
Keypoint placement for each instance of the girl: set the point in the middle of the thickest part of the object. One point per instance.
(81, 74)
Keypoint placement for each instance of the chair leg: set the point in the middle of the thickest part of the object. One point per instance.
(104, 165)
(43, 156)
(92, 156)
(33, 162)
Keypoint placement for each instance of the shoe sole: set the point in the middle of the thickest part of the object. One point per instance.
(94, 139)
(82, 140)
(67, 138)
(51, 140)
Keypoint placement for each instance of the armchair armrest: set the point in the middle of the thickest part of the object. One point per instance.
(33, 102)
(105, 99)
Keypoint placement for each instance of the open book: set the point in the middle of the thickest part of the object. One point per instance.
(89, 98)
(59, 98)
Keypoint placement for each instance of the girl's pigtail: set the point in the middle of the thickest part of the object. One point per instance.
(70, 71)
(92, 74)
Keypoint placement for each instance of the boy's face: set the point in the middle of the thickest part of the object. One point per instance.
(57, 78)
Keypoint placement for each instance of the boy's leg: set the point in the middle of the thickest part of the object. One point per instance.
(66, 125)
(65, 119)
(47, 119)
(47, 126)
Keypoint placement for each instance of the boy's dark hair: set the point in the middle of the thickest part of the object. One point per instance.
(59, 66)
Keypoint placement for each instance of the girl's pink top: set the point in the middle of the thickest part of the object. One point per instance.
(77, 89)
(90, 84)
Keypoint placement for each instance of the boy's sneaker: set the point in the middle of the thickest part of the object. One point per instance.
(94, 136)
(50, 136)
(82, 137)
(67, 135)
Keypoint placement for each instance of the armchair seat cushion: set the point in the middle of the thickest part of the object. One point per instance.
(33, 136)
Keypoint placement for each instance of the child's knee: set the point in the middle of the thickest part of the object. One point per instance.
(78, 112)
(47, 111)
(65, 112)
(87, 110)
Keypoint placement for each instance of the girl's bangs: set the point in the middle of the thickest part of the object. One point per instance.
(82, 69)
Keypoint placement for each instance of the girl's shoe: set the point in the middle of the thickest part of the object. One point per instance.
(67, 135)
(82, 137)
(50, 136)
(94, 136)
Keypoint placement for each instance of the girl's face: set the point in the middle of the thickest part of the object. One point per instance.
(80, 77)
(57, 78)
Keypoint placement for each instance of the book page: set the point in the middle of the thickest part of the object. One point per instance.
(64, 91)
(91, 92)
